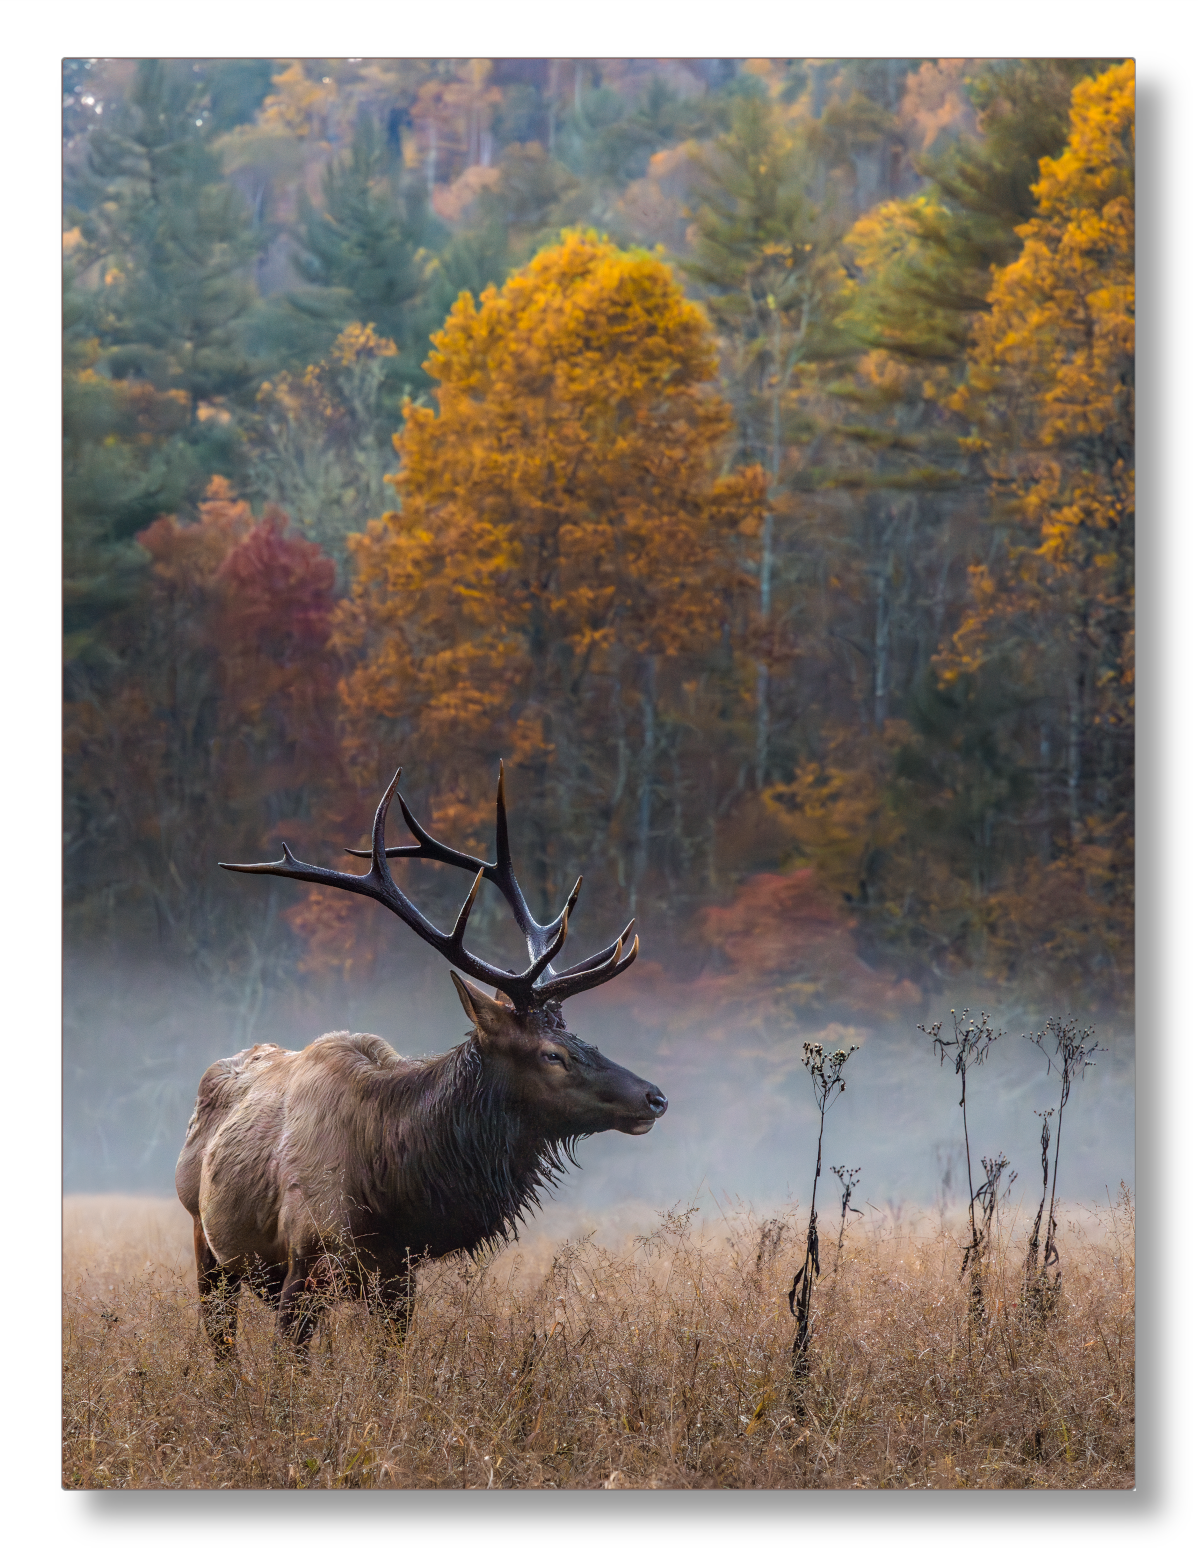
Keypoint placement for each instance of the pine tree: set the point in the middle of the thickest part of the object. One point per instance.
(925, 261)
(766, 266)
(157, 284)
(166, 243)
(364, 255)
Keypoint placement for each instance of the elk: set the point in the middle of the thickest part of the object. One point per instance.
(332, 1171)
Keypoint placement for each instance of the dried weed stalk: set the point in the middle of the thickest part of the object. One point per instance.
(969, 1047)
(849, 1177)
(1068, 1052)
(988, 1198)
(827, 1082)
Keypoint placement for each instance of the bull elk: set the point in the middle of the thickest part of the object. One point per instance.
(330, 1171)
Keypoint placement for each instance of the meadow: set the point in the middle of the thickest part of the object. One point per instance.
(601, 1360)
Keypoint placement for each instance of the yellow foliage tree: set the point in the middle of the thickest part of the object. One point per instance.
(298, 105)
(563, 557)
(1050, 392)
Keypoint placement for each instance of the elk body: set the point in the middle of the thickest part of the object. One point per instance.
(331, 1171)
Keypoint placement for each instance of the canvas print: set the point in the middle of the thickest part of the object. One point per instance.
(661, 529)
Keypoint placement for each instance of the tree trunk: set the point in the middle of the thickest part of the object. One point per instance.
(1075, 755)
(645, 803)
(881, 646)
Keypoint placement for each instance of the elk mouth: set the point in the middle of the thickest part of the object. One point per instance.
(635, 1126)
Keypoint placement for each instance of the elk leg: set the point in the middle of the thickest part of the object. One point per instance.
(266, 1280)
(297, 1303)
(219, 1292)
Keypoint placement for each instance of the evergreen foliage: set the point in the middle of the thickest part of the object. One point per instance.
(364, 254)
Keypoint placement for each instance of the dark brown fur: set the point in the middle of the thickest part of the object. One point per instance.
(331, 1170)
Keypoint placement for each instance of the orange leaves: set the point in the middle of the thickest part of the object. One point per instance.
(786, 946)
(836, 809)
(1097, 168)
(298, 106)
(238, 621)
(1056, 351)
(586, 333)
(557, 509)
(1050, 389)
(359, 342)
(338, 935)
(1069, 921)
(1051, 375)
(190, 555)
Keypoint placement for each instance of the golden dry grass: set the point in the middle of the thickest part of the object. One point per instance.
(661, 1364)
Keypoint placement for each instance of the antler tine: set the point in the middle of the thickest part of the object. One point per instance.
(572, 982)
(555, 933)
(503, 850)
(605, 956)
(378, 885)
(459, 927)
(378, 843)
(544, 940)
(553, 948)
(501, 874)
(538, 936)
(426, 846)
(601, 958)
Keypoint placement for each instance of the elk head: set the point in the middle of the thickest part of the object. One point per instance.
(544, 1069)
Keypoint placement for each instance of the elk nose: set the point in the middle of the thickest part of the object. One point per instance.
(657, 1101)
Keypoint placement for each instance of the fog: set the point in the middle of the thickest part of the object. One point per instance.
(741, 1125)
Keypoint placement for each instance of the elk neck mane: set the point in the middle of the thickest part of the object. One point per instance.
(472, 1155)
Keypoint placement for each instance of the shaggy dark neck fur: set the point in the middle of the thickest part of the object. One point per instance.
(474, 1158)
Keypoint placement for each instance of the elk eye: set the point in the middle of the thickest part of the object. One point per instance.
(553, 1057)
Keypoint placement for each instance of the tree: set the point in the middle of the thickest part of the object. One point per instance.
(1050, 390)
(924, 263)
(524, 202)
(945, 827)
(223, 722)
(764, 260)
(156, 288)
(362, 255)
(560, 563)
(118, 473)
(166, 243)
(321, 450)
(968, 813)
(607, 137)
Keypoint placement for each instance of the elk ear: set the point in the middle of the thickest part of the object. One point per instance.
(490, 1018)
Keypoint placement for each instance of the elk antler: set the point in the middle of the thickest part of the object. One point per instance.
(528, 989)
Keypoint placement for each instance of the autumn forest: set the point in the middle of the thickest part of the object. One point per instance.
(742, 451)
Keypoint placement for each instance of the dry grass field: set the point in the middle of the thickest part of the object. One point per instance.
(662, 1363)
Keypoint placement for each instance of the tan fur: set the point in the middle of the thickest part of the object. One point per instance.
(332, 1169)
(264, 1165)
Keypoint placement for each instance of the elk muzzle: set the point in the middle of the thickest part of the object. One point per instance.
(637, 1103)
(657, 1104)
